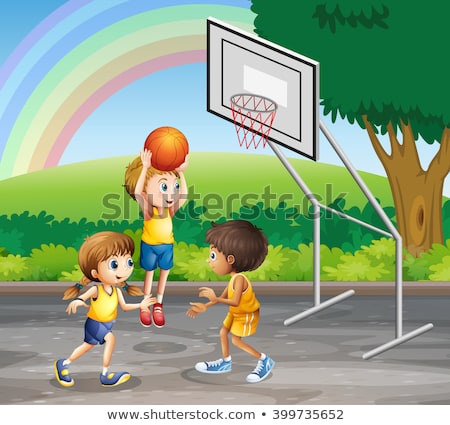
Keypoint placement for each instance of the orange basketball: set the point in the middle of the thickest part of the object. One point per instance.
(169, 148)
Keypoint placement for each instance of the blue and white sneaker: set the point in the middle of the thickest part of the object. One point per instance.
(262, 370)
(113, 379)
(215, 366)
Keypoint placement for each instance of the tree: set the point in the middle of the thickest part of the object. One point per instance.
(382, 65)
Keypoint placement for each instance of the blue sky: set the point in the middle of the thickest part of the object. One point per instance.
(174, 97)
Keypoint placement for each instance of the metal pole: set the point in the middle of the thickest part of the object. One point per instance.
(395, 234)
(318, 306)
(303, 186)
(316, 217)
(397, 341)
(399, 289)
(399, 337)
(316, 254)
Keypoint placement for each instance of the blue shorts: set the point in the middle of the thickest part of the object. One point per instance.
(95, 332)
(153, 256)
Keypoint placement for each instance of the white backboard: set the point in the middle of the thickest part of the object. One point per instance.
(242, 62)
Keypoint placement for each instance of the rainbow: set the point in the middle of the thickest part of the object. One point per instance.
(82, 54)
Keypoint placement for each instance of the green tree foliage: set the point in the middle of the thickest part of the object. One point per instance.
(375, 56)
(380, 67)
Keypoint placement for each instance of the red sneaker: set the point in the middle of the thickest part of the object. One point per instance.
(145, 317)
(158, 315)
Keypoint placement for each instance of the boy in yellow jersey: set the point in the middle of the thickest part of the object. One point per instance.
(106, 258)
(160, 195)
(235, 246)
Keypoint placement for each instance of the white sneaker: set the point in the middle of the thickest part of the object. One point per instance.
(215, 366)
(262, 370)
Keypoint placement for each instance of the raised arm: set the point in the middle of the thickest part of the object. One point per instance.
(139, 191)
(183, 185)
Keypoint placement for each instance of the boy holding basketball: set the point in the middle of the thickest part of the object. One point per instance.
(235, 246)
(160, 192)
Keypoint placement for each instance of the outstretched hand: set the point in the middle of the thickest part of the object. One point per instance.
(195, 309)
(147, 302)
(73, 305)
(207, 293)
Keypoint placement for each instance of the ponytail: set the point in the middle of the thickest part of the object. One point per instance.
(132, 290)
(74, 290)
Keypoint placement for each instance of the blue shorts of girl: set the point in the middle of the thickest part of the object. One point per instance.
(154, 256)
(95, 332)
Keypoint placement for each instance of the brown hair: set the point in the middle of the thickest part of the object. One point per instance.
(241, 239)
(98, 248)
(133, 171)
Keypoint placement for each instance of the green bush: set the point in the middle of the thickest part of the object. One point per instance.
(73, 276)
(370, 263)
(190, 263)
(49, 261)
(356, 267)
(420, 268)
(441, 270)
(348, 251)
(274, 267)
(13, 240)
(13, 267)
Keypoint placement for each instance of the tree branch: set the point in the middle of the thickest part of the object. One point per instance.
(379, 150)
(440, 165)
(409, 145)
(396, 147)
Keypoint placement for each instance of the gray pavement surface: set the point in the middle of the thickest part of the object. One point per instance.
(318, 359)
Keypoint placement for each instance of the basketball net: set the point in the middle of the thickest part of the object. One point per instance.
(253, 116)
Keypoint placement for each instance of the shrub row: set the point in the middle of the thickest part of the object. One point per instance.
(38, 247)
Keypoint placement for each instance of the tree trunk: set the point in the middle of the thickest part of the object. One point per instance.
(417, 193)
(418, 206)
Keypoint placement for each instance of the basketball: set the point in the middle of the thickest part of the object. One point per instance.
(168, 146)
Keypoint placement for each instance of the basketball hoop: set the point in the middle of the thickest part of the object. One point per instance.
(253, 116)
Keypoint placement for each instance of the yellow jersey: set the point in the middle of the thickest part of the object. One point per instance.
(248, 303)
(104, 307)
(158, 229)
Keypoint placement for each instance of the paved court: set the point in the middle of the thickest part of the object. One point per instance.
(318, 360)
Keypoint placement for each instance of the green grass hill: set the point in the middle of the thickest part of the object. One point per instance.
(220, 181)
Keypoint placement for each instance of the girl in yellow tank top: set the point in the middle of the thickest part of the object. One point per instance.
(106, 258)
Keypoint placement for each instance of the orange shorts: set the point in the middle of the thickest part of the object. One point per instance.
(242, 324)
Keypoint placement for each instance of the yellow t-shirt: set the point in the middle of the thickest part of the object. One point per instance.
(158, 229)
(104, 307)
(249, 302)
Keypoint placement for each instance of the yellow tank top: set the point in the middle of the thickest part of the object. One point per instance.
(158, 229)
(104, 307)
(248, 303)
